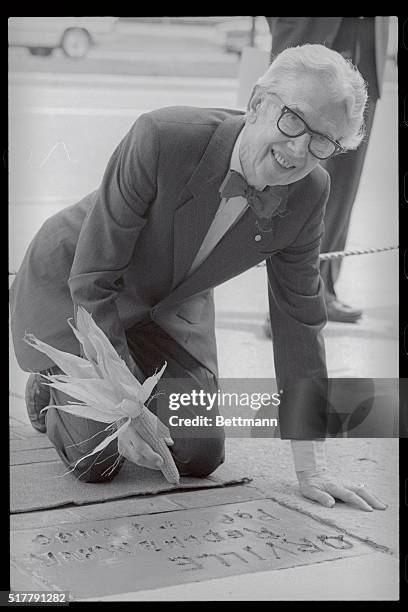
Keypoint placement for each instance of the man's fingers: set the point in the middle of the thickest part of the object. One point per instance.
(153, 459)
(348, 496)
(371, 499)
(142, 461)
(124, 451)
(163, 432)
(135, 449)
(154, 462)
(321, 497)
(323, 490)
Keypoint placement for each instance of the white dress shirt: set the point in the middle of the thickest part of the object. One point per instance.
(229, 211)
(308, 455)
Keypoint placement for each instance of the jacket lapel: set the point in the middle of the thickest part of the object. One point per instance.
(200, 199)
(236, 252)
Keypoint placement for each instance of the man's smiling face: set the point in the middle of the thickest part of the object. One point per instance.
(270, 158)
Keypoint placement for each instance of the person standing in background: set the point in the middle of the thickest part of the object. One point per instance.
(364, 41)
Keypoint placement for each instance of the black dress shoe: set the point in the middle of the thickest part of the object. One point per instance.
(37, 397)
(341, 313)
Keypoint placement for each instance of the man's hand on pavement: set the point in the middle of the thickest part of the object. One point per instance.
(325, 489)
(132, 446)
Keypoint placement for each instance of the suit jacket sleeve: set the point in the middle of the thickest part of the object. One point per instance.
(111, 229)
(298, 315)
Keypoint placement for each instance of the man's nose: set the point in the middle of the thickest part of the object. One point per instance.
(298, 147)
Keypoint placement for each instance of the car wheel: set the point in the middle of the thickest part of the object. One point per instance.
(40, 50)
(76, 43)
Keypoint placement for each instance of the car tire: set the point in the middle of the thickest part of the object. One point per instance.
(76, 43)
(44, 51)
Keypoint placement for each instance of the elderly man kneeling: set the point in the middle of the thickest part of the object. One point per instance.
(192, 197)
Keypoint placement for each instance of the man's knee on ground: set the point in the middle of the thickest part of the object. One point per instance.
(198, 457)
(98, 469)
(72, 443)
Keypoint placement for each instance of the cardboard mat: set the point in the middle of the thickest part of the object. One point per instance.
(128, 554)
(38, 479)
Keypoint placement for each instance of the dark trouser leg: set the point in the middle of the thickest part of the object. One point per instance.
(345, 171)
(150, 347)
(356, 40)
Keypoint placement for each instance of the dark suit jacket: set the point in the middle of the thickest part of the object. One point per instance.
(123, 252)
(292, 31)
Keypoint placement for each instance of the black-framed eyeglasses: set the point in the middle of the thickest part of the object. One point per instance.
(292, 125)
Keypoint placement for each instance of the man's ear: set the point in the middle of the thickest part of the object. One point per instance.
(254, 104)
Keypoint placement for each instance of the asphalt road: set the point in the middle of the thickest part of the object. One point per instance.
(140, 49)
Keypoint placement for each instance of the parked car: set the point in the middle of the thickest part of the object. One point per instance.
(74, 35)
(235, 34)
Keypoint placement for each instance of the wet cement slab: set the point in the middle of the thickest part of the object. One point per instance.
(39, 480)
(134, 506)
(93, 558)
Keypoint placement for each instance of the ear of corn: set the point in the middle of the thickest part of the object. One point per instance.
(107, 389)
(149, 384)
(84, 411)
(87, 347)
(89, 393)
(68, 363)
(89, 330)
(146, 425)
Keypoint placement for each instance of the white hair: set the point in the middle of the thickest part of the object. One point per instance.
(339, 76)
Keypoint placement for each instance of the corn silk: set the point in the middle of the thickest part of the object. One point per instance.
(105, 390)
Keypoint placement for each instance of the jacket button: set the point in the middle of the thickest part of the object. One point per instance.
(258, 237)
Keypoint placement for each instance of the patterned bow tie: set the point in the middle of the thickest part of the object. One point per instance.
(264, 203)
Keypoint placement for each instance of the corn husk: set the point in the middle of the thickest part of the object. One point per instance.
(105, 390)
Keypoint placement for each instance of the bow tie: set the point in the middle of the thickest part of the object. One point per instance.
(264, 203)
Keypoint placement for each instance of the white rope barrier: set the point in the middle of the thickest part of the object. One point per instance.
(339, 254)
(350, 252)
